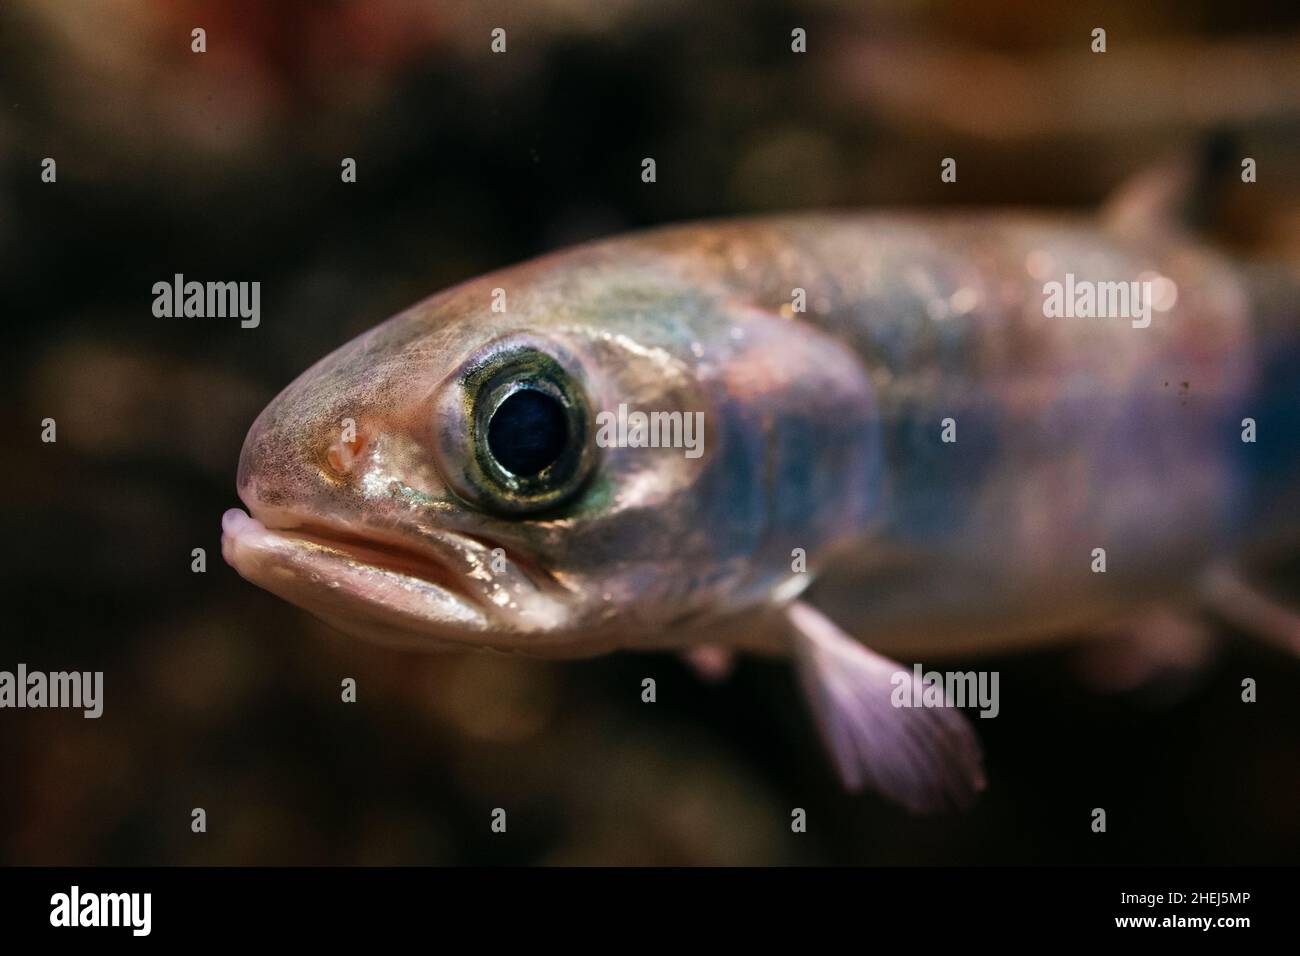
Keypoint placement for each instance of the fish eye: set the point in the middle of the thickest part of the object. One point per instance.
(528, 432)
(519, 425)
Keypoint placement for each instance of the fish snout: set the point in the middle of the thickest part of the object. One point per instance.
(308, 461)
(295, 464)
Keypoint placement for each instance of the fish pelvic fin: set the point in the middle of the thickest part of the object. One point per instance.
(1247, 608)
(1161, 650)
(925, 758)
(711, 662)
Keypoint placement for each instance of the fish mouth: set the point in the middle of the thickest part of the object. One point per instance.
(382, 586)
(375, 552)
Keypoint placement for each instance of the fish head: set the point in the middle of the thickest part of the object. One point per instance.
(470, 473)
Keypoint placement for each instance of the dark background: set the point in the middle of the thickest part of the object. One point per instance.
(225, 166)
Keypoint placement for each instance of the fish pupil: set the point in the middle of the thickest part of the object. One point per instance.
(528, 431)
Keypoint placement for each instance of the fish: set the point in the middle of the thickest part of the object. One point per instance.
(901, 453)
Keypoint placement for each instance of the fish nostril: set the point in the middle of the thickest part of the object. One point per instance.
(342, 454)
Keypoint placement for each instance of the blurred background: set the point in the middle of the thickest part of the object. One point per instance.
(226, 165)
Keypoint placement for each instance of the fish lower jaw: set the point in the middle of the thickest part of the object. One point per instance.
(387, 593)
(352, 586)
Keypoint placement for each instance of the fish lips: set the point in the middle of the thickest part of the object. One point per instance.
(454, 591)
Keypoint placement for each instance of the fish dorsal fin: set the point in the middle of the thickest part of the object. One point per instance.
(1174, 194)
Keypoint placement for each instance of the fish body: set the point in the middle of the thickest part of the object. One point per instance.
(894, 430)
(1068, 434)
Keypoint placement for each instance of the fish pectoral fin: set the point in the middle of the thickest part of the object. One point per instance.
(925, 758)
(1243, 606)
